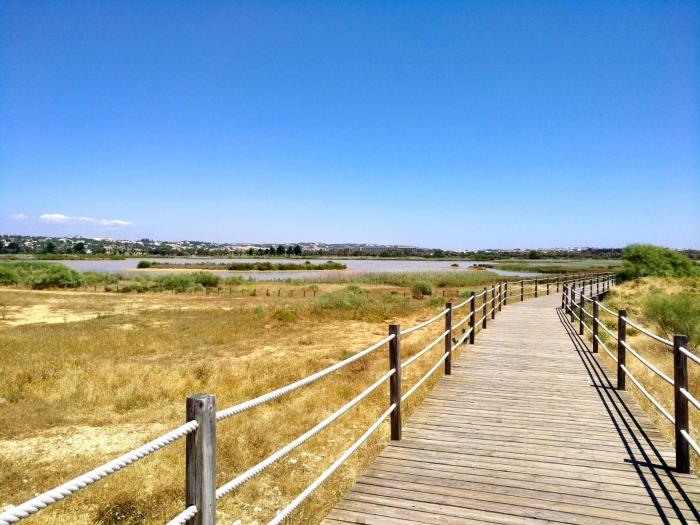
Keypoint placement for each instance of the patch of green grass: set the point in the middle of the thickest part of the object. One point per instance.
(675, 314)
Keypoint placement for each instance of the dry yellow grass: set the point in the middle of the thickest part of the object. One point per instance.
(107, 372)
(631, 296)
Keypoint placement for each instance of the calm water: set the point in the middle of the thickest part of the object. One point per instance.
(354, 266)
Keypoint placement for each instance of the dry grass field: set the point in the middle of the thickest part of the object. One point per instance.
(88, 376)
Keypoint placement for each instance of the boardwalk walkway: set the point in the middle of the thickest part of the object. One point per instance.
(528, 429)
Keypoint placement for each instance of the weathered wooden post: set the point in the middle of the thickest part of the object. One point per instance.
(472, 319)
(595, 326)
(547, 286)
(621, 337)
(563, 297)
(558, 278)
(395, 380)
(493, 301)
(200, 459)
(597, 285)
(500, 296)
(536, 283)
(485, 304)
(505, 294)
(680, 382)
(581, 309)
(572, 300)
(522, 290)
(448, 340)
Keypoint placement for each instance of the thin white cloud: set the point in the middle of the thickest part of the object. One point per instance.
(59, 218)
(18, 216)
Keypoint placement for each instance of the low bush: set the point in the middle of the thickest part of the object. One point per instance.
(645, 260)
(675, 314)
(421, 288)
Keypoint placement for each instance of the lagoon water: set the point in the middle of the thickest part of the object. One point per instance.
(354, 266)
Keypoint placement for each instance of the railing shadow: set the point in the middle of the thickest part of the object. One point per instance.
(658, 477)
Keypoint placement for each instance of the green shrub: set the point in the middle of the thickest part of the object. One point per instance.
(206, 279)
(676, 314)
(642, 260)
(55, 276)
(8, 275)
(92, 278)
(436, 301)
(354, 289)
(177, 282)
(234, 280)
(144, 264)
(421, 288)
(285, 313)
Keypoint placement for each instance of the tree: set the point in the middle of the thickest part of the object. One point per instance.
(297, 250)
(50, 247)
(280, 249)
(13, 247)
(642, 260)
(79, 247)
(290, 250)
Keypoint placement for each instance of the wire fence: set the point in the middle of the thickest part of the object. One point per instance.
(592, 321)
(201, 493)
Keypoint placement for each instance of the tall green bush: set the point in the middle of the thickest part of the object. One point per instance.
(676, 314)
(642, 260)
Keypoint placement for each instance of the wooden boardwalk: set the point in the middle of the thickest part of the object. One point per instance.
(527, 429)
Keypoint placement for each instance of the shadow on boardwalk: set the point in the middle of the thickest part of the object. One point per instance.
(665, 489)
(528, 429)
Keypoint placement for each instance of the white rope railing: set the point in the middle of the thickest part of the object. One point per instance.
(186, 515)
(647, 363)
(424, 350)
(689, 355)
(424, 378)
(644, 391)
(462, 339)
(648, 333)
(690, 398)
(606, 349)
(691, 441)
(424, 323)
(285, 512)
(26, 509)
(279, 454)
(247, 405)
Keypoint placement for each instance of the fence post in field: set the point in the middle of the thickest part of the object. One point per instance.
(536, 282)
(621, 338)
(558, 278)
(505, 294)
(472, 319)
(547, 285)
(563, 297)
(522, 291)
(448, 340)
(500, 296)
(597, 285)
(493, 301)
(680, 381)
(200, 459)
(486, 305)
(581, 309)
(395, 380)
(595, 326)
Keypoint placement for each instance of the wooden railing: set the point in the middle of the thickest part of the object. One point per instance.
(200, 428)
(681, 354)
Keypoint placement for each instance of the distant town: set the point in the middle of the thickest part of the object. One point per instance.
(61, 247)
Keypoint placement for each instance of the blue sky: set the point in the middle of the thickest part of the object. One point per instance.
(442, 124)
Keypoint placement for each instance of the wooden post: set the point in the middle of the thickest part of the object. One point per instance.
(581, 308)
(505, 294)
(680, 381)
(547, 286)
(563, 297)
(448, 340)
(395, 380)
(536, 288)
(522, 291)
(500, 297)
(493, 301)
(621, 337)
(597, 285)
(572, 297)
(472, 319)
(558, 278)
(595, 326)
(200, 459)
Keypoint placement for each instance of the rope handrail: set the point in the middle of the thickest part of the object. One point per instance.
(424, 350)
(462, 339)
(186, 515)
(280, 453)
(424, 323)
(284, 513)
(606, 349)
(651, 398)
(424, 378)
(647, 363)
(691, 441)
(690, 398)
(690, 355)
(606, 329)
(606, 309)
(460, 305)
(252, 403)
(648, 333)
(454, 327)
(29, 507)
(480, 320)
